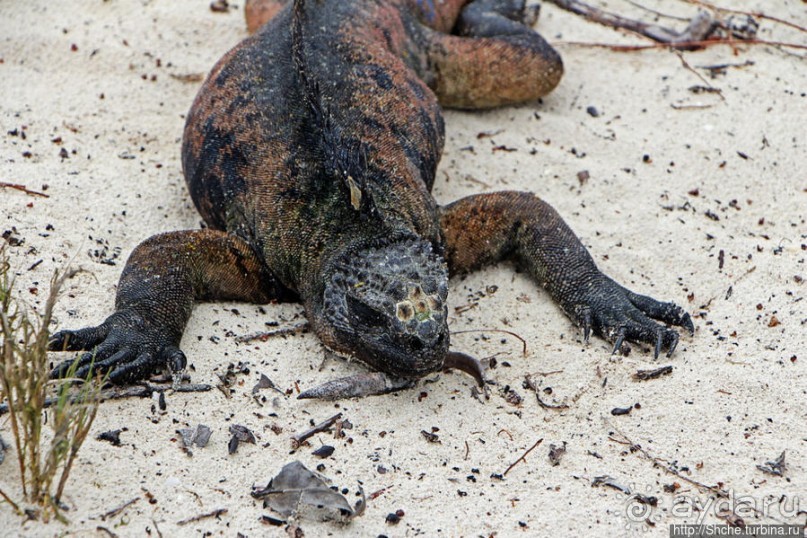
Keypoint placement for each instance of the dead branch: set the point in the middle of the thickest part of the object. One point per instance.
(117, 510)
(700, 26)
(753, 14)
(689, 68)
(658, 13)
(691, 45)
(665, 466)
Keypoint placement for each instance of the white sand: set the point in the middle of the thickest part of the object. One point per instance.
(735, 399)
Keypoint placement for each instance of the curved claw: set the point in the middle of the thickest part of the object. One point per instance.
(102, 364)
(659, 342)
(669, 313)
(61, 369)
(587, 323)
(673, 343)
(620, 337)
(134, 370)
(81, 364)
(686, 323)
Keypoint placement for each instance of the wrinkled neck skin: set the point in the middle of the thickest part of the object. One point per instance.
(383, 301)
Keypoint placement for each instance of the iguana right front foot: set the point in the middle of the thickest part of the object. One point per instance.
(125, 346)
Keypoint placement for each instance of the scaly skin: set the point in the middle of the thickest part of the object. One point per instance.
(311, 150)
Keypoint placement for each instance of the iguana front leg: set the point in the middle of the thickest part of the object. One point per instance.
(163, 277)
(487, 228)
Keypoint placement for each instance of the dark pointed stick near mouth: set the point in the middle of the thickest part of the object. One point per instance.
(374, 383)
(470, 365)
(356, 386)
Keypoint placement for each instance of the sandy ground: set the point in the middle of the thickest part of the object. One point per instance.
(691, 197)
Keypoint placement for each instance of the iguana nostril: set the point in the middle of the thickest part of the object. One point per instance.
(404, 311)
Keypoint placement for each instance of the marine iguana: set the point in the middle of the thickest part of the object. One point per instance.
(310, 152)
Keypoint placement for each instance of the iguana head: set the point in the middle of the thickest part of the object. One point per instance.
(385, 304)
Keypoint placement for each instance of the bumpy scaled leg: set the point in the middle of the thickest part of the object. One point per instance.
(497, 59)
(486, 228)
(163, 277)
(259, 12)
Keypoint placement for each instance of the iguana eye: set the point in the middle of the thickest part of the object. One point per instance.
(364, 314)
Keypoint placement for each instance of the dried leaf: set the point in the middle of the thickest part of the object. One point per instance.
(232, 446)
(776, 467)
(556, 453)
(324, 451)
(265, 383)
(243, 433)
(200, 435)
(112, 436)
(300, 492)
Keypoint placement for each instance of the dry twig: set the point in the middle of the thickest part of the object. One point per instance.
(266, 335)
(23, 188)
(524, 455)
(215, 513)
(298, 439)
(511, 333)
(753, 14)
(117, 510)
